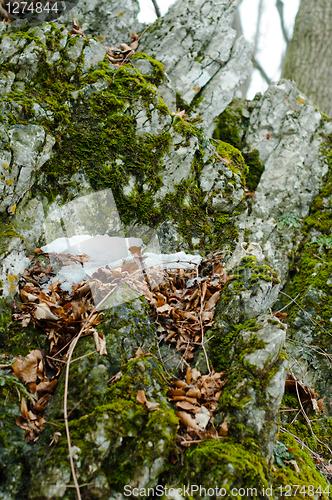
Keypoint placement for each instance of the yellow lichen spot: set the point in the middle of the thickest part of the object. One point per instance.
(5, 165)
(197, 89)
(300, 100)
(102, 38)
(10, 182)
(12, 278)
(120, 14)
(13, 209)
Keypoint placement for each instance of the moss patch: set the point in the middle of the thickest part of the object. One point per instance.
(231, 128)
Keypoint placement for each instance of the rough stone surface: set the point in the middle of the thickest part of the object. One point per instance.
(111, 22)
(196, 44)
(87, 149)
(293, 171)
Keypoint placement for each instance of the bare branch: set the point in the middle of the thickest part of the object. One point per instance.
(156, 8)
(280, 8)
(258, 27)
(260, 69)
(237, 25)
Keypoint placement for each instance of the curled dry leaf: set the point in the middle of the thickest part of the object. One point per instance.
(223, 429)
(187, 420)
(141, 399)
(55, 438)
(184, 405)
(42, 311)
(25, 369)
(100, 342)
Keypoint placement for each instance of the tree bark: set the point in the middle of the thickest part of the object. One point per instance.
(309, 55)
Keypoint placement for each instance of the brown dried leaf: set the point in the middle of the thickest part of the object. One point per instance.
(320, 404)
(194, 392)
(151, 406)
(100, 342)
(125, 48)
(184, 405)
(26, 368)
(185, 398)
(164, 308)
(180, 383)
(176, 392)
(188, 375)
(42, 311)
(187, 420)
(210, 304)
(223, 430)
(46, 385)
(195, 374)
(141, 398)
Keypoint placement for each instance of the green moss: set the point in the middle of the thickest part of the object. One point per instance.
(237, 164)
(158, 73)
(231, 128)
(7, 232)
(133, 438)
(308, 479)
(224, 464)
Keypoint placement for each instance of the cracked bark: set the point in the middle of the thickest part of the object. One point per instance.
(308, 59)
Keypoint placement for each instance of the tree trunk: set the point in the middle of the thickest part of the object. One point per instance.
(309, 55)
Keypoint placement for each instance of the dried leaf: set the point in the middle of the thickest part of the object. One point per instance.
(46, 385)
(320, 404)
(184, 405)
(188, 375)
(151, 406)
(210, 304)
(42, 311)
(125, 48)
(100, 342)
(141, 398)
(295, 465)
(180, 383)
(164, 308)
(187, 420)
(26, 368)
(223, 429)
(194, 392)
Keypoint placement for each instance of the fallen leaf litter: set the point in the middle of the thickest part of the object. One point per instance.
(182, 304)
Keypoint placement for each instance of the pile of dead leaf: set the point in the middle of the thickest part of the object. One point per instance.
(60, 314)
(196, 400)
(39, 372)
(116, 56)
(304, 393)
(120, 56)
(182, 303)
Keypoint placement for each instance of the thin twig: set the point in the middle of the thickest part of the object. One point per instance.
(261, 70)
(314, 322)
(298, 440)
(201, 325)
(65, 397)
(316, 349)
(306, 416)
(156, 8)
(280, 8)
(291, 302)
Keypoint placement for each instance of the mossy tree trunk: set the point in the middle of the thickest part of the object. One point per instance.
(309, 55)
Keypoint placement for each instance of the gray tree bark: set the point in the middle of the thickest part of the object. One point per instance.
(309, 56)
